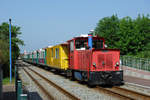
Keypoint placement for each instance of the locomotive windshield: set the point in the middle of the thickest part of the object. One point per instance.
(83, 44)
(97, 44)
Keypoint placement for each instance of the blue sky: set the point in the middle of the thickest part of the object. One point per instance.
(50, 22)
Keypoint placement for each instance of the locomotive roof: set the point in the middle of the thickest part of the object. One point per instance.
(94, 37)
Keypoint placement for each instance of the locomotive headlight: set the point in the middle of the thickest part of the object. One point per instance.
(117, 64)
(94, 64)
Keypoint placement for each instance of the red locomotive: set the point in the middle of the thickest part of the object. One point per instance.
(90, 61)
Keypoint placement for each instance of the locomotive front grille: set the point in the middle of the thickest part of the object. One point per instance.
(109, 61)
(100, 59)
(105, 61)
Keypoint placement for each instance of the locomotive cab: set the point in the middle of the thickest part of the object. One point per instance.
(90, 61)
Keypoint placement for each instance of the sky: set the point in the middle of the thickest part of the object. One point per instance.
(51, 22)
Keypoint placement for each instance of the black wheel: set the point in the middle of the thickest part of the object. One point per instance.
(72, 78)
(90, 84)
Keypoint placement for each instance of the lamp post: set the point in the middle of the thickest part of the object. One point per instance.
(10, 50)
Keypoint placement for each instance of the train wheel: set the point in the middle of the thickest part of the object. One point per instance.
(70, 75)
(90, 84)
(72, 78)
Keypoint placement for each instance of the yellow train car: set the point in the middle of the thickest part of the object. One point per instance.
(57, 56)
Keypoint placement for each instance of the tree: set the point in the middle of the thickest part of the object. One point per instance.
(4, 45)
(142, 25)
(131, 36)
(4, 57)
(108, 28)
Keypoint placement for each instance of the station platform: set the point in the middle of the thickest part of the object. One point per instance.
(9, 92)
(139, 81)
(136, 76)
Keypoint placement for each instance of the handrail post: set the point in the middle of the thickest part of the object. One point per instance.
(19, 89)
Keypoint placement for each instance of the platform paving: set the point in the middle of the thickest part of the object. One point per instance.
(9, 92)
(139, 81)
(133, 75)
(128, 71)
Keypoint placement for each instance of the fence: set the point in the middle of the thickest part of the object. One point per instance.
(139, 63)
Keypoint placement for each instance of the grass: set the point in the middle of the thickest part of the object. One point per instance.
(6, 81)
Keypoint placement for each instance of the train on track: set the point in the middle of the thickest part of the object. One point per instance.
(83, 58)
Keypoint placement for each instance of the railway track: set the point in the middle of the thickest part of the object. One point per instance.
(122, 93)
(131, 94)
(111, 93)
(125, 93)
(137, 85)
(50, 96)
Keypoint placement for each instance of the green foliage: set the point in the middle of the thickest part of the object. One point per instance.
(107, 28)
(6, 81)
(131, 36)
(4, 51)
(4, 45)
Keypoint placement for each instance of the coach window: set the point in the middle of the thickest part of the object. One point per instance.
(71, 46)
(57, 53)
(43, 54)
(52, 52)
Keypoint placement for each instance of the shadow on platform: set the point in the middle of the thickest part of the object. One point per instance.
(9, 95)
(34, 96)
(12, 96)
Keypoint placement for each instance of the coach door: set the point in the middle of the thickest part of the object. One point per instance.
(71, 58)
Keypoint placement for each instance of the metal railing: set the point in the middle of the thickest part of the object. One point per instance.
(134, 62)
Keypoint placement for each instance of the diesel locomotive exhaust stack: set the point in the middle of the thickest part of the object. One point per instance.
(90, 40)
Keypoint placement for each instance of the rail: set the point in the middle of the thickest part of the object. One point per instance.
(126, 93)
(39, 85)
(68, 94)
(122, 93)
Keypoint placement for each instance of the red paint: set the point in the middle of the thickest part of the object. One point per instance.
(106, 59)
(83, 60)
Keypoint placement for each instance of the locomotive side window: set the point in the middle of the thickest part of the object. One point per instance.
(81, 44)
(71, 46)
(98, 44)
